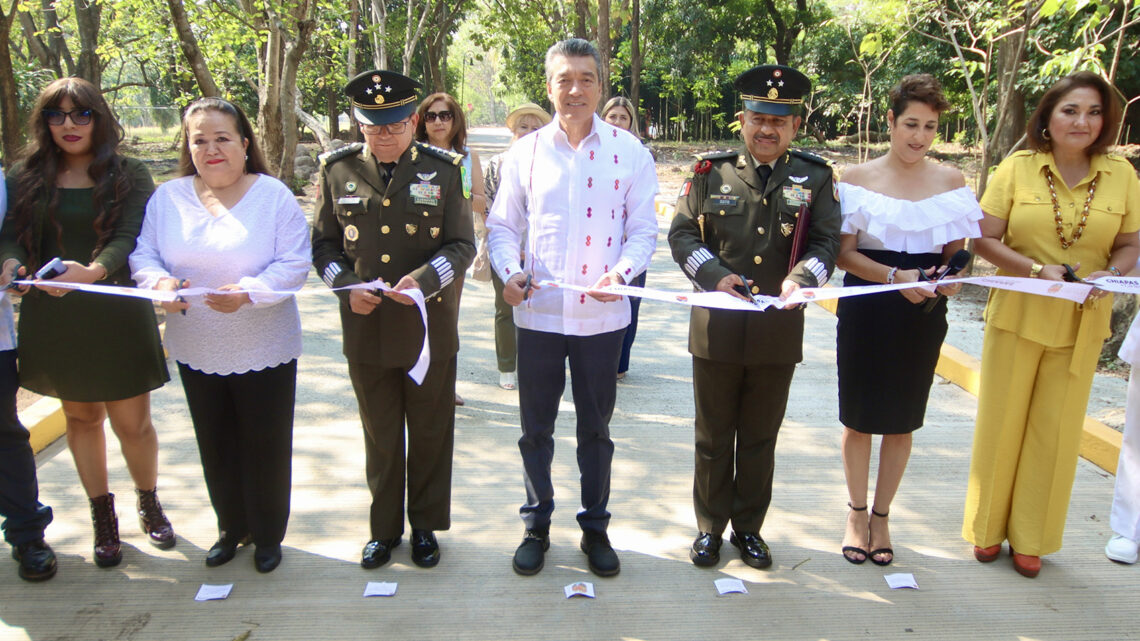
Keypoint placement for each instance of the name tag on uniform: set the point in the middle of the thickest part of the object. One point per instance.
(725, 201)
(796, 195)
(425, 193)
(348, 200)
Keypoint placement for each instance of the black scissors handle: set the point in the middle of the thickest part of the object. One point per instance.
(1071, 274)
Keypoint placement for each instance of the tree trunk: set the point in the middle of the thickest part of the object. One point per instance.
(379, 43)
(36, 45)
(88, 14)
(582, 11)
(56, 44)
(1010, 111)
(332, 108)
(190, 50)
(310, 121)
(604, 47)
(635, 59)
(9, 101)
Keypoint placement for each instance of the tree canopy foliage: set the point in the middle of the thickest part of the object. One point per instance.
(285, 61)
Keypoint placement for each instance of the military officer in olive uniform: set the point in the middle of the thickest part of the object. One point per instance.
(394, 209)
(740, 218)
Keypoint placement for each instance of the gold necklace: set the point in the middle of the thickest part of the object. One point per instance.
(1065, 244)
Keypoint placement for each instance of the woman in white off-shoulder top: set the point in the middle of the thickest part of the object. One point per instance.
(227, 225)
(903, 218)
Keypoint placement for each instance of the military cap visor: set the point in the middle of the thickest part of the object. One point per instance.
(777, 90)
(382, 97)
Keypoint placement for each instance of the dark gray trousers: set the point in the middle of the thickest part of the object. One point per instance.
(542, 360)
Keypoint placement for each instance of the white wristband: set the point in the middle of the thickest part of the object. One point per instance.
(891, 275)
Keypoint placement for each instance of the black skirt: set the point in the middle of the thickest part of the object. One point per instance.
(887, 348)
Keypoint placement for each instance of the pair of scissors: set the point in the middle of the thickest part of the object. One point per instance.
(528, 286)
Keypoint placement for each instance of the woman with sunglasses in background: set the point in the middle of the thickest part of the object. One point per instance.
(442, 124)
(74, 196)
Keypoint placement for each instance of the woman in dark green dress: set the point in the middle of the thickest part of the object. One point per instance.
(74, 196)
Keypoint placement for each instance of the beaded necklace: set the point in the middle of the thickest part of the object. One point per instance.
(1065, 243)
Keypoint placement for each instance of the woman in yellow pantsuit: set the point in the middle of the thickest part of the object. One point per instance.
(1065, 201)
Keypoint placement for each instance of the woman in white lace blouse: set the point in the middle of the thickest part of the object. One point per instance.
(903, 218)
(226, 225)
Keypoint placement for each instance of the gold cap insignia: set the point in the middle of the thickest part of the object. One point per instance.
(434, 231)
(351, 233)
(379, 99)
(773, 93)
(411, 229)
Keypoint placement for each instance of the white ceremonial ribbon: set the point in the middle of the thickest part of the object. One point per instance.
(1118, 284)
(417, 372)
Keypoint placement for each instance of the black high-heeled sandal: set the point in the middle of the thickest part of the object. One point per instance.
(881, 550)
(848, 550)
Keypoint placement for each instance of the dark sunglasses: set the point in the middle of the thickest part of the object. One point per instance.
(55, 117)
(444, 116)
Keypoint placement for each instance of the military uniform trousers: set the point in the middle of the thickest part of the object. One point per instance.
(244, 427)
(1031, 410)
(389, 400)
(24, 517)
(504, 327)
(739, 411)
(542, 360)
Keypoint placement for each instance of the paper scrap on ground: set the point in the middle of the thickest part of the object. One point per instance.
(901, 580)
(581, 588)
(725, 586)
(380, 588)
(213, 592)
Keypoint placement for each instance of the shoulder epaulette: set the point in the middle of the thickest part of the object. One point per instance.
(717, 155)
(330, 157)
(799, 153)
(443, 154)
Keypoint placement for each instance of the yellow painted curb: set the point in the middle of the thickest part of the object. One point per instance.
(45, 422)
(1100, 444)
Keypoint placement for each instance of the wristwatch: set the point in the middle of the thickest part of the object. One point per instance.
(1035, 270)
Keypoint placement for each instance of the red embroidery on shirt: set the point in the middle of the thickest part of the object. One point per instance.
(591, 154)
(615, 159)
(612, 215)
(587, 241)
(617, 182)
(627, 271)
(606, 268)
(584, 269)
(508, 270)
(614, 132)
(589, 212)
(582, 299)
(610, 241)
(590, 182)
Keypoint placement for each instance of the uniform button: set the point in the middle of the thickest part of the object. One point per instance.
(758, 259)
(765, 201)
(384, 229)
(755, 289)
(387, 202)
(425, 213)
(722, 212)
(385, 258)
(1070, 204)
(760, 230)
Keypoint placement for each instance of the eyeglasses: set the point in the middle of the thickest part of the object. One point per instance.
(394, 128)
(79, 117)
(444, 116)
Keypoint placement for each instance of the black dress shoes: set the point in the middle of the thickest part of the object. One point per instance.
(753, 549)
(600, 554)
(706, 550)
(266, 558)
(377, 552)
(425, 549)
(37, 561)
(529, 557)
(224, 549)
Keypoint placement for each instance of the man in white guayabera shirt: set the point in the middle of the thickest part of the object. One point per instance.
(580, 192)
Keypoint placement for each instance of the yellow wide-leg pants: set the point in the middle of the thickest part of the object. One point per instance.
(1031, 411)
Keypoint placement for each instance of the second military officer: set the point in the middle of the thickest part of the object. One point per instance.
(395, 210)
(762, 221)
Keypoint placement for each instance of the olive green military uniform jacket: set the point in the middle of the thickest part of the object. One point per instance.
(419, 223)
(727, 224)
